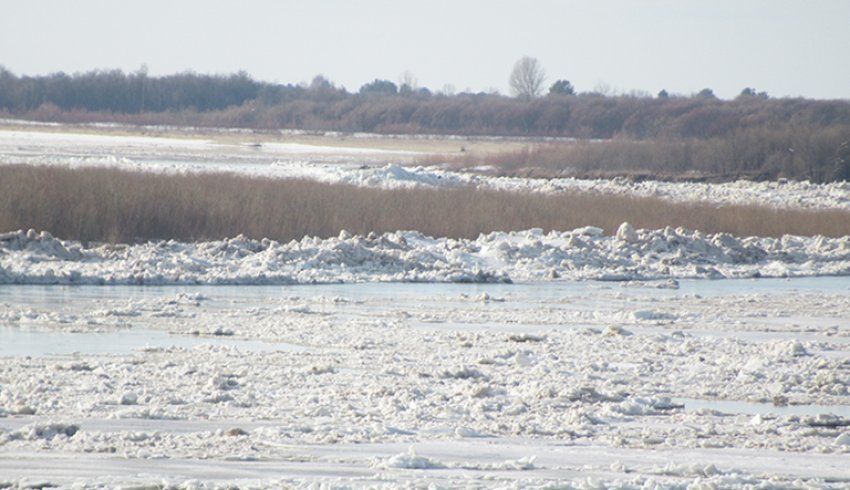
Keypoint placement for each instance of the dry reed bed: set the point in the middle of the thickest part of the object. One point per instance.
(123, 206)
(821, 156)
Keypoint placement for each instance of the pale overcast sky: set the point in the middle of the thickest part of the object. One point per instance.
(783, 47)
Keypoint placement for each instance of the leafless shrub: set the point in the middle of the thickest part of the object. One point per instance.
(817, 154)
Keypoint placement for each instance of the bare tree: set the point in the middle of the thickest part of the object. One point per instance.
(527, 78)
(407, 83)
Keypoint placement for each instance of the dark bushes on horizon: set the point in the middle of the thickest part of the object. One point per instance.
(237, 100)
(109, 205)
(132, 93)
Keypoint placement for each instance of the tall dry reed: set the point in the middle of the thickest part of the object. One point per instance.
(122, 206)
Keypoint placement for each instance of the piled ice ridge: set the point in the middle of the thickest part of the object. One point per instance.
(532, 255)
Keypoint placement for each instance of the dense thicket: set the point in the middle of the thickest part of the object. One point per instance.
(761, 137)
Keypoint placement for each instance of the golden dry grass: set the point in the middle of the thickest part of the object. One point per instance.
(122, 206)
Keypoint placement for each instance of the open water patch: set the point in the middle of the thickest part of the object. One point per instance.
(18, 342)
(755, 408)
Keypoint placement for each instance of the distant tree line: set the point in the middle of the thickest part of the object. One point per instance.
(752, 120)
(130, 93)
(383, 106)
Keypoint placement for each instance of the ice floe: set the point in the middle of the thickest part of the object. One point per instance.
(526, 391)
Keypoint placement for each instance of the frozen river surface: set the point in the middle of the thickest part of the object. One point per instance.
(221, 364)
(730, 383)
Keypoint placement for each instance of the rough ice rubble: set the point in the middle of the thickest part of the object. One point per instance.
(571, 388)
(459, 390)
(413, 461)
(784, 194)
(407, 256)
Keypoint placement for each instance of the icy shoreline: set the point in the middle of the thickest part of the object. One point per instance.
(362, 166)
(408, 256)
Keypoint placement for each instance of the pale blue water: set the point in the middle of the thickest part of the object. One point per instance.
(49, 294)
(15, 341)
(749, 408)
(580, 296)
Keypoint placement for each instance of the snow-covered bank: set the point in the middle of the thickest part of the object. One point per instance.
(335, 160)
(585, 253)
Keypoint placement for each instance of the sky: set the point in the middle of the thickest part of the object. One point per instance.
(787, 48)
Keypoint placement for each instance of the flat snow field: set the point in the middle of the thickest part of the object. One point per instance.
(646, 359)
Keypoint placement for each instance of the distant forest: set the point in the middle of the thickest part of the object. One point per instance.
(753, 135)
